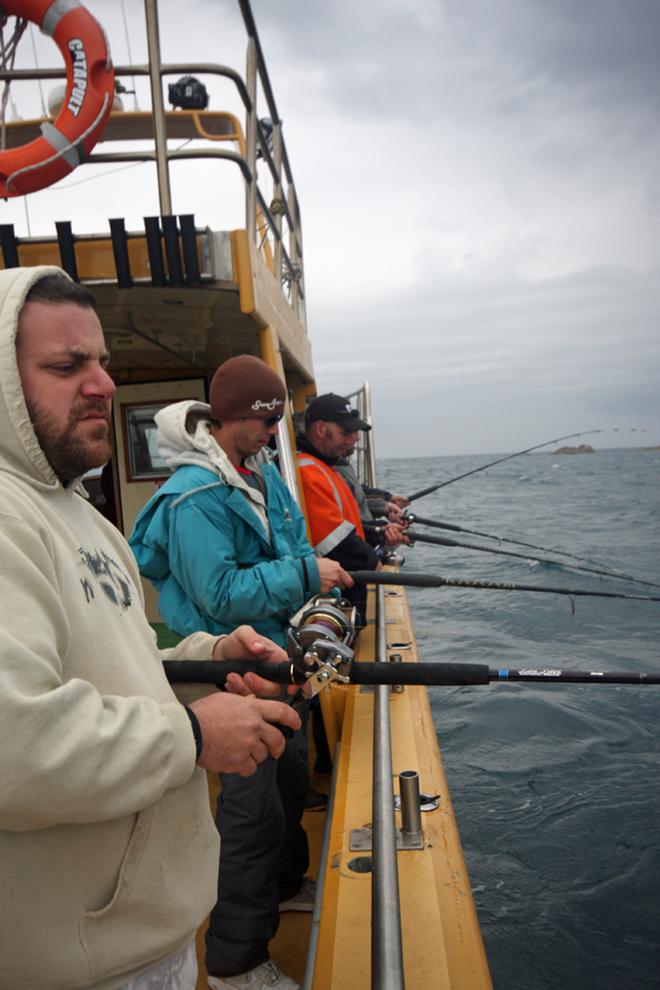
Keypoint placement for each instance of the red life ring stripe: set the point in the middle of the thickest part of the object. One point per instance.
(87, 101)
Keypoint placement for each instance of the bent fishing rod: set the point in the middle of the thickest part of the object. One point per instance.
(444, 541)
(412, 518)
(500, 460)
(422, 580)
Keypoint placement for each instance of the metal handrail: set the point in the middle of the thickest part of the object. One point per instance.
(166, 69)
(287, 463)
(267, 88)
(177, 68)
(289, 265)
(365, 451)
(256, 67)
(106, 158)
(386, 941)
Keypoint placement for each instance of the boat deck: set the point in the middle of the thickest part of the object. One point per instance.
(289, 947)
(442, 945)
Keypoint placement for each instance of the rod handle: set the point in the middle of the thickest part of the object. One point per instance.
(216, 671)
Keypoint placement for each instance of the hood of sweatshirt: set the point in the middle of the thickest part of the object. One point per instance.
(20, 452)
(184, 438)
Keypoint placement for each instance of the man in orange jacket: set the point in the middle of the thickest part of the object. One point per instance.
(332, 511)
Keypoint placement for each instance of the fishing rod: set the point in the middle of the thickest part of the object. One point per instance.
(351, 671)
(320, 653)
(444, 541)
(412, 517)
(500, 460)
(421, 580)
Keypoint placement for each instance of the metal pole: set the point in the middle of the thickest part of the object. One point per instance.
(277, 198)
(293, 255)
(287, 461)
(386, 945)
(158, 110)
(251, 139)
(371, 450)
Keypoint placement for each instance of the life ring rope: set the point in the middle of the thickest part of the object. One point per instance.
(55, 13)
(51, 133)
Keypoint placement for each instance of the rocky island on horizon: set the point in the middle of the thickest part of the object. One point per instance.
(583, 448)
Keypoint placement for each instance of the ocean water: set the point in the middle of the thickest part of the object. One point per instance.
(556, 788)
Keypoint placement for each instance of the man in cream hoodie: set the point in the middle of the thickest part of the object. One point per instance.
(108, 851)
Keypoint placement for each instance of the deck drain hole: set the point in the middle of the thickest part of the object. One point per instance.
(361, 864)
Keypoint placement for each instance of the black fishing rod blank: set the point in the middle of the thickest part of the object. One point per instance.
(444, 541)
(606, 571)
(413, 674)
(551, 676)
(421, 580)
(500, 460)
(463, 674)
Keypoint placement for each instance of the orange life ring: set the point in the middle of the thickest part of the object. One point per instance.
(87, 103)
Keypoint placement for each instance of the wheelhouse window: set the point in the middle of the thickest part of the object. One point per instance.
(143, 462)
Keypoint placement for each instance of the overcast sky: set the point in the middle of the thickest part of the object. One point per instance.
(480, 190)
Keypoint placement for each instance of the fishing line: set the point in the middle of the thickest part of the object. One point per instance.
(414, 518)
(500, 460)
(444, 541)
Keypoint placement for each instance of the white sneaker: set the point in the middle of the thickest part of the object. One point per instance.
(266, 976)
(303, 900)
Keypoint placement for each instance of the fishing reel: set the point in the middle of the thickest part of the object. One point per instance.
(319, 643)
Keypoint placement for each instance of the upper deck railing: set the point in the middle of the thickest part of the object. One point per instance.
(273, 222)
(365, 453)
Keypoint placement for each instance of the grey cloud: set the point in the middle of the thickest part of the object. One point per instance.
(504, 58)
(545, 352)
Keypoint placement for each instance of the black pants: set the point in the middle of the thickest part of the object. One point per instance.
(263, 857)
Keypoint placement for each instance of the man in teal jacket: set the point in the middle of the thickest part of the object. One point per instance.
(224, 542)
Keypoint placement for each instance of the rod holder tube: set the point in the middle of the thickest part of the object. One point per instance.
(411, 816)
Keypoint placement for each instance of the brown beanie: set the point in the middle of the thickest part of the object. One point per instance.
(245, 386)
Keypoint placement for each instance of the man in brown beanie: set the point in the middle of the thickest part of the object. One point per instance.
(224, 542)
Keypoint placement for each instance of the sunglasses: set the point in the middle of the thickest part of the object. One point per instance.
(272, 420)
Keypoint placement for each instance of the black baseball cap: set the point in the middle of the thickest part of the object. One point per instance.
(335, 409)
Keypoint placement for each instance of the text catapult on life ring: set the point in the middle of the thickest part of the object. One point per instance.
(87, 103)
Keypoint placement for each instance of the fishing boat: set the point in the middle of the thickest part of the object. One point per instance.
(177, 297)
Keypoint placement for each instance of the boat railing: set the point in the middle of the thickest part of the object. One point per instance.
(268, 220)
(287, 462)
(365, 454)
(386, 941)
